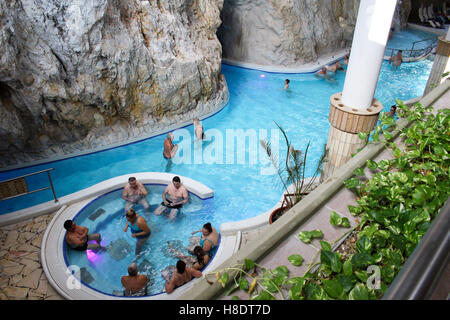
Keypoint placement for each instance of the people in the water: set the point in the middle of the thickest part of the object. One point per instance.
(346, 58)
(198, 129)
(209, 239)
(396, 59)
(77, 237)
(134, 192)
(139, 229)
(174, 196)
(392, 111)
(322, 73)
(202, 258)
(286, 84)
(170, 149)
(134, 283)
(181, 276)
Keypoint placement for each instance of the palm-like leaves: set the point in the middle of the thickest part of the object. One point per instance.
(293, 170)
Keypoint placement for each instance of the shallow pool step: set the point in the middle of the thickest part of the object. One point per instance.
(96, 214)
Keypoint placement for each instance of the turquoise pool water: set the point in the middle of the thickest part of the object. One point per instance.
(256, 101)
(242, 190)
(403, 40)
(103, 271)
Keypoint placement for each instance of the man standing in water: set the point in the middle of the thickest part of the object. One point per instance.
(169, 148)
(177, 195)
(398, 59)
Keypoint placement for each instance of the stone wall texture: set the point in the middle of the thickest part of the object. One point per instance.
(288, 33)
(81, 74)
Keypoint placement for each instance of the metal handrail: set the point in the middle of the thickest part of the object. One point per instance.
(33, 191)
(418, 41)
(414, 53)
(420, 275)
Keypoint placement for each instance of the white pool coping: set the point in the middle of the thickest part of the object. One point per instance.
(100, 188)
(52, 255)
(311, 67)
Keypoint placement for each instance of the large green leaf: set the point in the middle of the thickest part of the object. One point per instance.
(364, 245)
(249, 264)
(315, 292)
(331, 260)
(305, 236)
(243, 284)
(359, 292)
(333, 288)
(325, 245)
(296, 259)
(346, 281)
(335, 219)
(347, 267)
(295, 292)
(361, 260)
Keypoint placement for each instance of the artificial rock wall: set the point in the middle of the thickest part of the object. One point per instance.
(289, 33)
(81, 74)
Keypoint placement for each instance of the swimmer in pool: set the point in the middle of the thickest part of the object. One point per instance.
(170, 149)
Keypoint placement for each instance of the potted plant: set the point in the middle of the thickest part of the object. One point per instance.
(291, 171)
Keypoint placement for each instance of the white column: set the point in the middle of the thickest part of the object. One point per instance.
(368, 46)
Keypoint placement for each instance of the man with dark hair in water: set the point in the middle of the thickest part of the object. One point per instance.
(181, 276)
(392, 111)
(77, 237)
(177, 195)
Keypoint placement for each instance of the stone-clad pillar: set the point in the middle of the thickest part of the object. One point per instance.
(441, 63)
(355, 109)
(345, 124)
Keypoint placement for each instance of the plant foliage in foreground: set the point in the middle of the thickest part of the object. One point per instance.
(395, 208)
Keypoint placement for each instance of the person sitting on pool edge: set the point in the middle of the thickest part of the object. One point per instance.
(77, 237)
(134, 282)
(139, 229)
(177, 196)
(209, 239)
(181, 276)
(170, 149)
(134, 192)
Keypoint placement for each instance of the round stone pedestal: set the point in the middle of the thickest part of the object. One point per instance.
(343, 138)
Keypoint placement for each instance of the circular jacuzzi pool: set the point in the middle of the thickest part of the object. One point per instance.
(88, 274)
(103, 270)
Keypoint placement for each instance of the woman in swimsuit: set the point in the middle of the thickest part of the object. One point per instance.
(139, 229)
(202, 258)
(209, 239)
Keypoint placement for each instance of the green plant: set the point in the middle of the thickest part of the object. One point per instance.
(291, 170)
(396, 207)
